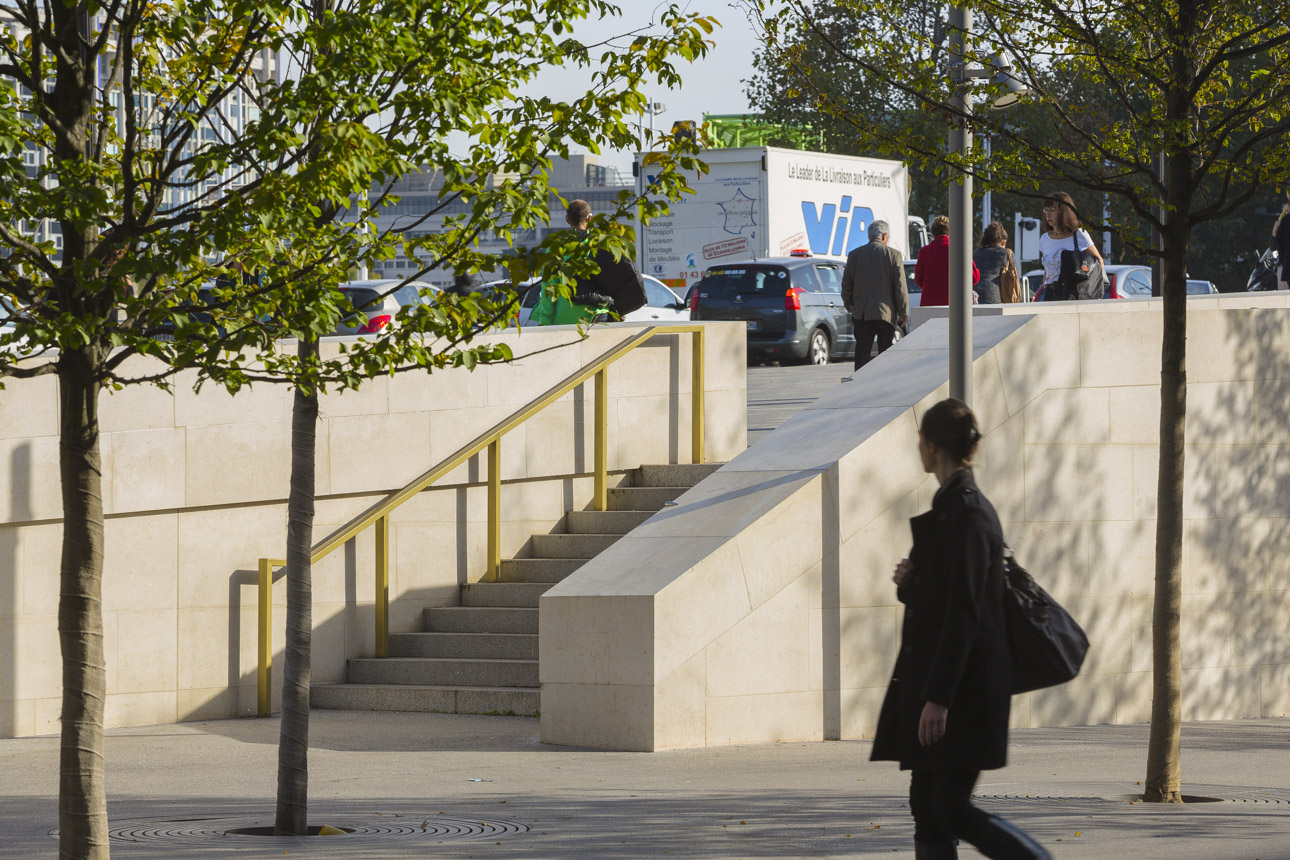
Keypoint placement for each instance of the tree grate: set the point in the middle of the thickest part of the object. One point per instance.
(1121, 793)
(257, 831)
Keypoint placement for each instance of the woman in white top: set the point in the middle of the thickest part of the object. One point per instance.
(1063, 223)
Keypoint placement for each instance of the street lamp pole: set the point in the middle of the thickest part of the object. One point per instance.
(960, 268)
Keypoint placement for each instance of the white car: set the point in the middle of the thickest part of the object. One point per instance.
(661, 304)
(380, 302)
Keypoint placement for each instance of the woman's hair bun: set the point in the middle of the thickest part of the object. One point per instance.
(951, 426)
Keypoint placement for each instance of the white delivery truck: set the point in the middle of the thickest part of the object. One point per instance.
(768, 202)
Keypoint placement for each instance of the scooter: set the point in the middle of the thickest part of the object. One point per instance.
(1264, 276)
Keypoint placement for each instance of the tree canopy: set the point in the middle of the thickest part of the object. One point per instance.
(1092, 126)
(190, 181)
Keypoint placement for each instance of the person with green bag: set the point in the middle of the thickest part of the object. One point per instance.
(617, 288)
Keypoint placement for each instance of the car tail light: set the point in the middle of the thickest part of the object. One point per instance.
(1113, 294)
(694, 300)
(791, 300)
(375, 324)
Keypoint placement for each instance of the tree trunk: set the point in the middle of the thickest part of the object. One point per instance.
(82, 796)
(1164, 758)
(293, 742)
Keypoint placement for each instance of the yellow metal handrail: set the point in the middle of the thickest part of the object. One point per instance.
(379, 513)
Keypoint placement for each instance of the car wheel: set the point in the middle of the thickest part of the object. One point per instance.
(818, 353)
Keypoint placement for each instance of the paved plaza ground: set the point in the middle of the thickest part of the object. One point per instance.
(432, 785)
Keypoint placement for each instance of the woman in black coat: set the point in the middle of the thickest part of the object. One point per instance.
(945, 717)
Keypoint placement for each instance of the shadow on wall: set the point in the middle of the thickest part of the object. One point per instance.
(1072, 522)
(1065, 487)
(1236, 603)
(19, 495)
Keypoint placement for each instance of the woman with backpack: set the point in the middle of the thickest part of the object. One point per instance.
(945, 717)
(1064, 234)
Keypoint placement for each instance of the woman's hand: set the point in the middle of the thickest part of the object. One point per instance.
(901, 576)
(931, 725)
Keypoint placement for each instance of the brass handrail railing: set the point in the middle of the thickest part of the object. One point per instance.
(379, 513)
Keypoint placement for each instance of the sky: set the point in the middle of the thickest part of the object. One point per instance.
(711, 85)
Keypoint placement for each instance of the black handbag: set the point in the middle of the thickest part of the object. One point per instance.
(1081, 275)
(1048, 646)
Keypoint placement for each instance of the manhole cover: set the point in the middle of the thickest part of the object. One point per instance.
(1120, 793)
(248, 830)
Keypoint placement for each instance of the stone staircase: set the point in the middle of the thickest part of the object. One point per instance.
(482, 657)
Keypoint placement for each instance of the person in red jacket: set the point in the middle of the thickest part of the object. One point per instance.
(932, 273)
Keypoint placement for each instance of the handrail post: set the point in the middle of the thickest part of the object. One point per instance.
(264, 668)
(383, 586)
(494, 509)
(599, 500)
(697, 356)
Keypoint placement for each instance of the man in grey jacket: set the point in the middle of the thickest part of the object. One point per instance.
(874, 293)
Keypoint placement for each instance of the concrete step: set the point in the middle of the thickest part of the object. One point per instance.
(673, 475)
(518, 701)
(548, 570)
(439, 671)
(642, 498)
(605, 522)
(474, 646)
(480, 619)
(571, 545)
(503, 593)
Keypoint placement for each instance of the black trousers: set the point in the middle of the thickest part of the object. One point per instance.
(941, 802)
(866, 331)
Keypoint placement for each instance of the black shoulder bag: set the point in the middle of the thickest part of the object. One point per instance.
(1081, 277)
(1048, 646)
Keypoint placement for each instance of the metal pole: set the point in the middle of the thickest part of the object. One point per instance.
(986, 201)
(264, 644)
(1106, 230)
(697, 398)
(494, 510)
(383, 587)
(600, 443)
(1157, 237)
(960, 219)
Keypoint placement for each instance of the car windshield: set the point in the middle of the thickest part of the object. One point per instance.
(364, 299)
(1198, 288)
(407, 295)
(745, 280)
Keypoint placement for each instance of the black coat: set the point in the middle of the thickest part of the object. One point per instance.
(953, 645)
(991, 262)
(618, 280)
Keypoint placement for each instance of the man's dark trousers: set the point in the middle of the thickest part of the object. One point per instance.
(866, 331)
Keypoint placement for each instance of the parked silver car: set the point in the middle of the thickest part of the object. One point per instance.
(380, 301)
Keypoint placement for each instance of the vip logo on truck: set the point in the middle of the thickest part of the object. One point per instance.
(847, 228)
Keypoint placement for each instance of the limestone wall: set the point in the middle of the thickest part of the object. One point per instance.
(195, 488)
(761, 607)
